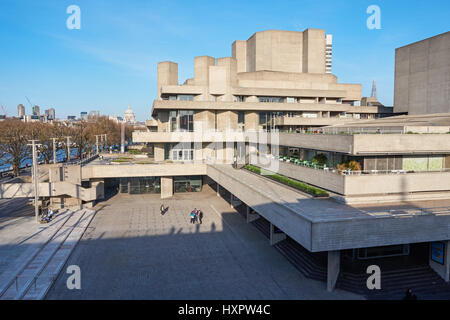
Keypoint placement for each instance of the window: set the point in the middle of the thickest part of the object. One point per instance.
(181, 120)
(290, 100)
(271, 99)
(240, 98)
(187, 183)
(185, 97)
(241, 117)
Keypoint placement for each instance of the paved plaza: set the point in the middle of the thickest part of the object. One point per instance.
(130, 251)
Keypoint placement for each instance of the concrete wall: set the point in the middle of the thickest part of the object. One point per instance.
(167, 75)
(166, 187)
(143, 170)
(401, 143)
(422, 76)
(397, 183)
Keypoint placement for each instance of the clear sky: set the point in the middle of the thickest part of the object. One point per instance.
(111, 61)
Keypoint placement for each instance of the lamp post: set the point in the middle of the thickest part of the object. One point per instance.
(54, 150)
(35, 174)
(68, 149)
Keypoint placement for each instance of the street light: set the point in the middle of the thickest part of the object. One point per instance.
(35, 174)
(54, 150)
(68, 149)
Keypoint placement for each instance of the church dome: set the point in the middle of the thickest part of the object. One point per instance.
(128, 115)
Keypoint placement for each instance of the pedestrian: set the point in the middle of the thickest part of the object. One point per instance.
(162, 209)
(192, 216)
(195, 215)
(200, 216)
(409, 295)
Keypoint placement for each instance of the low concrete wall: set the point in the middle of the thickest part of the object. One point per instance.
(337, 143)
(143, 170)
(316, 177)
(401, 143)
(396, 183)
(25, 190)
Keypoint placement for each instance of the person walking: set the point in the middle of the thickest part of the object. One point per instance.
(200, 216)
(162, 209)
(195, 215)
(192, 216)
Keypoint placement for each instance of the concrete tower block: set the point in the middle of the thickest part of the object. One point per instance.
(167, 75)
(201, 69)
(314, 51)
(239, 52)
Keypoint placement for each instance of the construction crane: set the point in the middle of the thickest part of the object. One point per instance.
(4, 111)
(31, 105)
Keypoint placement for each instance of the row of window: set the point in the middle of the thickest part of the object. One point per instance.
(190, 97)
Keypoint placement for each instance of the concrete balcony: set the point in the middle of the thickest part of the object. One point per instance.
(367, 184)
(258, 106)
(370, 144)
(163, 169)
(320, 121)
(175, 137)
(151, 123)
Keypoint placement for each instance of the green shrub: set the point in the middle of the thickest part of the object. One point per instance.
(320, 159)
(288, 181)
(134, 151)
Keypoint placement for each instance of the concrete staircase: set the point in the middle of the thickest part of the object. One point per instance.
(31, 276)
(423, 280)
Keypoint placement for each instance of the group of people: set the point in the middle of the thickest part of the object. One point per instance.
(196, 216)
(46, 218)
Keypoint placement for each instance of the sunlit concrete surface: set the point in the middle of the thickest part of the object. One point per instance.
(130, 251)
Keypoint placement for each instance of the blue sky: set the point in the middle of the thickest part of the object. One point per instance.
(111, 61)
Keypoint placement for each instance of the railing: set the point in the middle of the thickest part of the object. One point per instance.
(81, 162)
(309, 164)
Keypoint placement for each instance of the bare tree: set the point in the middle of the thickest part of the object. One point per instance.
(14, 136)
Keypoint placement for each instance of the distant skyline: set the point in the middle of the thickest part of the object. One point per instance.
(111, 61)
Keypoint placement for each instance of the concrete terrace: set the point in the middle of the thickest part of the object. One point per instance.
(133, 252)
(324, 224)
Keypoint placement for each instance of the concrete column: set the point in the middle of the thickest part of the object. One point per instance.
(251, 216)
(166, 187)
(334, 264)
(276, 237)
(442, 269)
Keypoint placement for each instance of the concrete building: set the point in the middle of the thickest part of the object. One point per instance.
(94, 114)
(83, 116)
(329, 53)
(20, 111)
(50, 114)
(384, 181)
(422, 76)
(36, 111)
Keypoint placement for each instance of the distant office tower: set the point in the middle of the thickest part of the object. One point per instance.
(94, 114)
(20, 111)
(36, 111)
(328, 52)
(84, 115)
(374, 89)
(50, 114)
